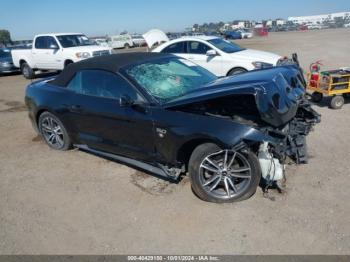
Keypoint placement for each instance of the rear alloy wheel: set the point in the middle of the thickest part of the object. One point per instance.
(337, 102)
(53, 131)
(27, 71)
(223, 176)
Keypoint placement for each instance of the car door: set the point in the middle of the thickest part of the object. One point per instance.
(102, 123)
(46, 53)
(197, 53)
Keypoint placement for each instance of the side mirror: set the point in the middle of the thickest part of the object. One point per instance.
(53, 46)
(211, 52)
(125, 101)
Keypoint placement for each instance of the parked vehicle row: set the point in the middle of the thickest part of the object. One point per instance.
(223, 58)
(169, 116)
(122, 41)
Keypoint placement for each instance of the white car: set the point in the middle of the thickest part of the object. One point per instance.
(347, 25)
(138, 40)
(120, 41)
(101, 42)
(314, 27)
(245, 33)
(219, 56)
(55, 51)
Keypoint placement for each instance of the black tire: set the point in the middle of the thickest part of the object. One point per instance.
(316, 97)
(236, 71)
(246, 187)
(50, 126)
(337, 102)
(126, 46)
(27, 71)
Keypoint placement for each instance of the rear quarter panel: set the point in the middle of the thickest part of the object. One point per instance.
(42, 96)
(22, 54)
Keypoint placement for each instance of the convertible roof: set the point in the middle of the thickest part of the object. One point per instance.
(110, 63)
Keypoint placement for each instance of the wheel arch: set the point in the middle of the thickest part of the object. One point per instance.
(185, 151)
(234, 68)
(38, 114)
(28, 62)
(67, 62)
(40, 111)
(22, 61)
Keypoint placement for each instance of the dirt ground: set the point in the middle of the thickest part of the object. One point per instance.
(76, 203)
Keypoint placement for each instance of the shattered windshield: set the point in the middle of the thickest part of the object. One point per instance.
(169, 78)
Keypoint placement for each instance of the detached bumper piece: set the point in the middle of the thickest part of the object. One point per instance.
(299, 128)
(292, 138)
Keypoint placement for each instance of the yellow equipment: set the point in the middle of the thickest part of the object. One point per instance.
(335, 83)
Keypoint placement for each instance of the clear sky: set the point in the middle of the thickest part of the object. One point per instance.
(24, 18)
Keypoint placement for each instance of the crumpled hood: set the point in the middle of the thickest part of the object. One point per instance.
(277, 92)
(257, 56)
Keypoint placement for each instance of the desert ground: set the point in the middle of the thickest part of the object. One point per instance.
(76, 203)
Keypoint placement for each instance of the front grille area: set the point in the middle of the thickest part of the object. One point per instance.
(100, 53)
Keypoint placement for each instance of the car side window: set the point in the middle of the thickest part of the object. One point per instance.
(176, 48)
(40, 42)
(194, 47)
(102, 84)
(44, 42)
(50, 41)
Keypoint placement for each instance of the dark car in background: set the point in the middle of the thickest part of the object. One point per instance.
(6, 63)
(169, 116)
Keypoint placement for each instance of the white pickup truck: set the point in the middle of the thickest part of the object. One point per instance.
(55, 51)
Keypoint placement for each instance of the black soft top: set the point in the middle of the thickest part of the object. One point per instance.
(110, 63)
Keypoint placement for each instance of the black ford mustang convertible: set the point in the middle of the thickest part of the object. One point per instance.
(168, 116)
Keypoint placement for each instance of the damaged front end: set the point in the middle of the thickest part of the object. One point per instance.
(272, 102)
(291, 138)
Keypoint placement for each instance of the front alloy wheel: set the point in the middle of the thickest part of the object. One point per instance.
(223, 175)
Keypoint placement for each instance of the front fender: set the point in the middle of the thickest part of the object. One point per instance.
(254, 135)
